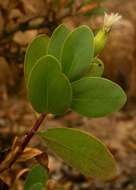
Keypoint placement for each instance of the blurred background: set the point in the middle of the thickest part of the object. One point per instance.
(20, 22)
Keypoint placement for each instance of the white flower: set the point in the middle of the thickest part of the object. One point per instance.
(110, 21)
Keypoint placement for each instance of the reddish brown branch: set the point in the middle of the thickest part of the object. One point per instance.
(17, 151)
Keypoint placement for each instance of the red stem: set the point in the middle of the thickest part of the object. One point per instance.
(25, 141)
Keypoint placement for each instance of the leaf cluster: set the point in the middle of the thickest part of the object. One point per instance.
(62, 74)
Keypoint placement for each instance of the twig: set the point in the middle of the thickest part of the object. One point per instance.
(13, 156)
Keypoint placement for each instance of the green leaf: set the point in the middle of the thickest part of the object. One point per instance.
(96, 11)
(96, 68)
(48, 88)
(36, 49)
(81, 151)
(37, 186)
(77, 52)
(96, 97)
(57, 41)
(38, 174)
(85, 2)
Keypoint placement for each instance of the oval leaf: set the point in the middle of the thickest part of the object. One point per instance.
(96, 97)
(48, 89)
(81, 151)
(96, 68)
(37, 186)
(77, 52)
(38, 174)
(57, 41)
(36, 49)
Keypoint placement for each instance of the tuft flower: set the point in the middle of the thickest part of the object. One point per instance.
(110, 21)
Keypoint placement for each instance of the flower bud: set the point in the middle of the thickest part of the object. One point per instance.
(100, 41)
(96, 68)
(110, 21)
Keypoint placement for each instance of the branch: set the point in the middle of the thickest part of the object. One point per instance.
(17, 150)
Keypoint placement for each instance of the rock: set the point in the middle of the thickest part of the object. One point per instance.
(23, 38)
